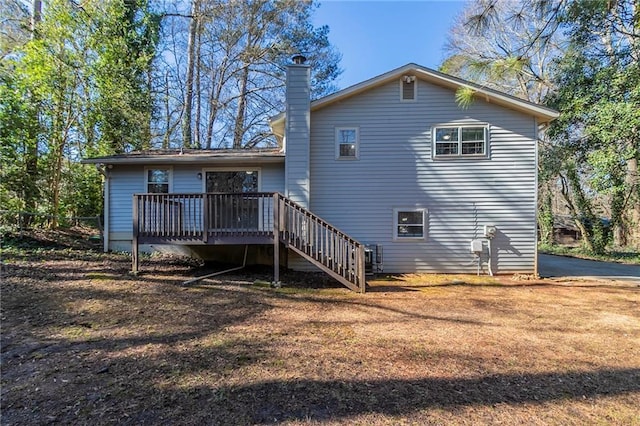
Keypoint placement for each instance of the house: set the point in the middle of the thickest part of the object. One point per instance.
(392, 169)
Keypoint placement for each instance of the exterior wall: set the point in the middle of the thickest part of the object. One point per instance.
(297, 131)
(395, 169)
(128, 180)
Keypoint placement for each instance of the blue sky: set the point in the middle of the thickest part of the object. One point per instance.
(377, 36)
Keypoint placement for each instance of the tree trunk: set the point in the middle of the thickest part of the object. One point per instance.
(187, 133)
(167, 113)
(198, 65)
(148, 116)
(545, 215)
(633, 182)
(575, 215)
(36, 17)
(238, 132)
(214, 98)
(31, 192)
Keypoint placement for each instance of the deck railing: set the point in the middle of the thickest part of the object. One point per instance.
(187, 217)
(248, 218)
(325, 245)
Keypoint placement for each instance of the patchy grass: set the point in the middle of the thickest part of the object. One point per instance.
(431, 280)
(84, 342)
(619, 256)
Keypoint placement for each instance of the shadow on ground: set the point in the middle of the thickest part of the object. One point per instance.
(304, 400)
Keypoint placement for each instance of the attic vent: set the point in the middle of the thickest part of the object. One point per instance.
(408, 85)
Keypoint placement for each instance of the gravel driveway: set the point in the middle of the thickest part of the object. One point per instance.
(561, 266)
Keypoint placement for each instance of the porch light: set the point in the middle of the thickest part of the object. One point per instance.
(199, 175)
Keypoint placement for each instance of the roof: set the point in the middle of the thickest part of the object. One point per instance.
(192, 156)
(542, 113)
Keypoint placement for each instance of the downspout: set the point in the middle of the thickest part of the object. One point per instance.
(106, 188)
(536, 128)
(490, 257)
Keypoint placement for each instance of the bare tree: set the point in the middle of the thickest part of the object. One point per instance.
(233, 78)
(187, 117)
(506, 45)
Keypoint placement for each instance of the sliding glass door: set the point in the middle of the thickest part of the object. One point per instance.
(232, 210)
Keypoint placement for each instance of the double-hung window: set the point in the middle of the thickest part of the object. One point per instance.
(347, 141)
(158, 180)
(409, 224)
(460, 141)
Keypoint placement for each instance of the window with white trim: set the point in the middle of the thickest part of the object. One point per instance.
(347, 141)
(158, 180)
(409, 224)
(460, 141)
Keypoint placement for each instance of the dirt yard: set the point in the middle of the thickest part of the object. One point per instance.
(85, 343)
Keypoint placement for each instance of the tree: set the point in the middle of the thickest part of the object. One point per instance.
(512, 47)
(506, 45)
(592, 155)
(191, 65)
(103, 77)
(79, 86)
(599, 98)
(124, 40)
(16, 23)
(18, 143)
(242, 47)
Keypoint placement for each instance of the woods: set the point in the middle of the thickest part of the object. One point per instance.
(581, 58)
(81, 79)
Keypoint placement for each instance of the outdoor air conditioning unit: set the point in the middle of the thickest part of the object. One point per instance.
(372, 259)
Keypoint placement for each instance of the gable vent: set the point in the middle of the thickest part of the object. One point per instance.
(408, 88)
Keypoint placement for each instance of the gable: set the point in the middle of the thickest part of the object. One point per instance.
(386, 124)
(540, 113)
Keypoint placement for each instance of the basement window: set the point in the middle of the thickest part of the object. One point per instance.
(409, 224)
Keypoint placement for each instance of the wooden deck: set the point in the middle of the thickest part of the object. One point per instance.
(247, 218)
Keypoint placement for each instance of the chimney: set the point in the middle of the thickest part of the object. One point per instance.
(299, 59)
(298, 131)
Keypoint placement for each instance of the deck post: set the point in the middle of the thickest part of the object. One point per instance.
(205, 218)
(361, 275)
(276, 238)
(134, 241)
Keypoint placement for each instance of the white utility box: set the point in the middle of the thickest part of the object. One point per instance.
(476, 246)
(489, 231)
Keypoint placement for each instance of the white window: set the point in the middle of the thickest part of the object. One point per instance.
(408, 88)
(347, 141)
(460, 141)
(409, 224)
(158, 180)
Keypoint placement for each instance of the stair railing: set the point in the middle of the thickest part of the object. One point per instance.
(323, 244)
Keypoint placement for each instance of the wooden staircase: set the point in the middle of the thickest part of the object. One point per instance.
(247, 218)
(322, 244)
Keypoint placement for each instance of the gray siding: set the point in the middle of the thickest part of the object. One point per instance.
(124, 182)
(128, 180)
(297, 131)
(395, 169)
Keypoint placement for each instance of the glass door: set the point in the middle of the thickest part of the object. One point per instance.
(231, 209)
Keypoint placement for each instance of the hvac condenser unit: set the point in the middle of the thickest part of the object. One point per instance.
(372, 259)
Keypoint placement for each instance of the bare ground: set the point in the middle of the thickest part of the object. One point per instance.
(83, 342)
